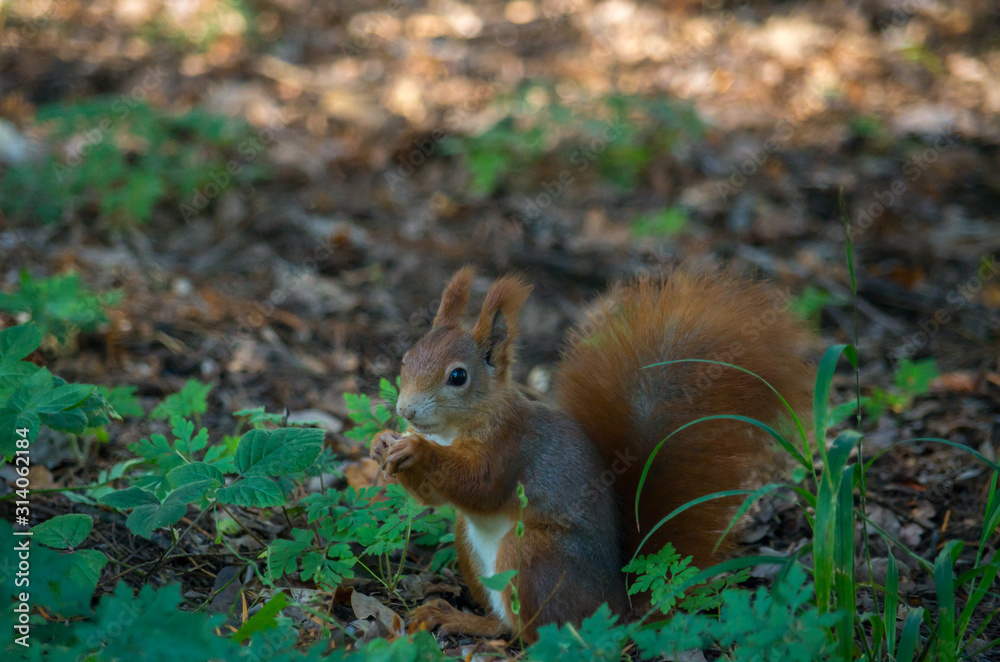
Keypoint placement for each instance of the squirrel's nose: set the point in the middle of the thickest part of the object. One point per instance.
(406, 411)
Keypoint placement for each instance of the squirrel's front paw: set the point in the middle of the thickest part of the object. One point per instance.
(381, 444)
(405, 453)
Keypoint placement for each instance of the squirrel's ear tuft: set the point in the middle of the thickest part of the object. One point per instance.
(454, 297)
(497, 323)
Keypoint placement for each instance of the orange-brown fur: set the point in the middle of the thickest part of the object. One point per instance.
(603, 382)
(577, 533)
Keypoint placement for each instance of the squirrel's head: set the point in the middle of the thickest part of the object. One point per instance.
(451, 375)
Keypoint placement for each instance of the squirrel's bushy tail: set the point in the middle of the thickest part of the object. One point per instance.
(626, 408)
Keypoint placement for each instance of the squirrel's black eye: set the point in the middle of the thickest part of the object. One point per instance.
(457, 377)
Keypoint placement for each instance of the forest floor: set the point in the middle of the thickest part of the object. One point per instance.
(311, 281)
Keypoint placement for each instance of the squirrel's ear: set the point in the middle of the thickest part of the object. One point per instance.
(454, 297)
(497, 323)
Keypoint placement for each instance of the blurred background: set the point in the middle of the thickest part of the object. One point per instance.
(270, 194)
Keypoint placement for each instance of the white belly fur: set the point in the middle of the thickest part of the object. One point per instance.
(442, 439)
(484, 535)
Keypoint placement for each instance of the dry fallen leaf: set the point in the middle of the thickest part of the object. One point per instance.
(960, 381)
(361, 473)
(40, 477)
(420, 585)
(379, 620)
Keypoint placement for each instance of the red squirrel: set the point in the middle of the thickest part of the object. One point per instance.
(475, 437)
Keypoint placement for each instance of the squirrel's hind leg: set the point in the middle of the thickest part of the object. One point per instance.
(450, 620)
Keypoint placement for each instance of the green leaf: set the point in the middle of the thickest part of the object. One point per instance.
(61, 582)
(194, 471)
(388, 392)
(264, 619)
(59, 305)
(821, 394)
(191, 400)
(130, 497)
(499, 581)
(258, 416)
(598, 640)
(31, 391)
(63, 397)
(145, 519)
(668, 222)
(63, 531)
(152, 626)
(283, 555)
(278, 452)
(331, 567)
(915, 377)
(68, 581)
(17, 342)
(252, 492)
(123, 399)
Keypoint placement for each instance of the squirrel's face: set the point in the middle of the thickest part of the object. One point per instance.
(445, 377)
(450, 378)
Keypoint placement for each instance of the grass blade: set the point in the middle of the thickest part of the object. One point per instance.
(805, 461)
(979, 590)
(656, 449)
(891, 604)
(708, 497)
(827, 517)
(844, 565)
(821, 396)
(911, 635)
(954, 444)
(944, 585)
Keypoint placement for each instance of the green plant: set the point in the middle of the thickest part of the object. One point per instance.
(501, 150)
(911, 379)
(123, 399)
(668, 222)
(259, 470)
(616, 136)
(119, 158)
(388, 517)
(62, 581)
(665, 575)
(370, 420)
(774, 625)
(599, 639)
(188, 470)
(809, 304)
(191, 400)
(60, 305)
(31, 396)
(382, 521)
(61, 577)
(833, 624)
